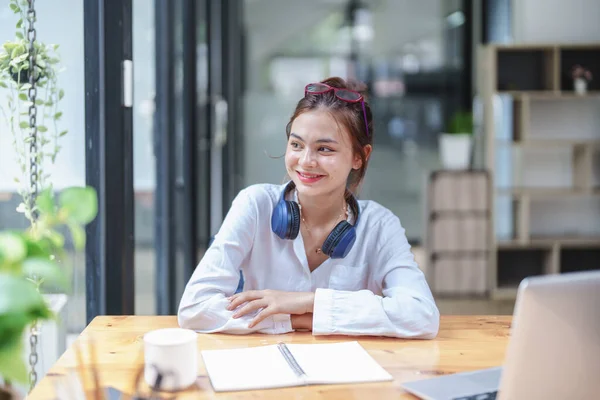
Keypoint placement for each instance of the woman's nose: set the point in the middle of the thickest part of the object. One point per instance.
(308, 158)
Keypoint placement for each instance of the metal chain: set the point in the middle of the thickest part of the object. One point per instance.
(33, 170)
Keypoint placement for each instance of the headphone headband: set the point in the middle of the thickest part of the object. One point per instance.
(352, 202)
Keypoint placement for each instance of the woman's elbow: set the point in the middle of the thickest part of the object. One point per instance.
(187, 319)
(422, 322)
(431, 323)
(194, 315)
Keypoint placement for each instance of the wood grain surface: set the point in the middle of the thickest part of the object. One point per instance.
(464, 343)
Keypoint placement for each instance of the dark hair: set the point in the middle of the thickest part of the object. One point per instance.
(349, 115)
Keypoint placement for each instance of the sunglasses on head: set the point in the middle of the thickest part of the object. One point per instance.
(347, 95)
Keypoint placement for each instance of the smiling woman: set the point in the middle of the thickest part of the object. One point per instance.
(307, 261)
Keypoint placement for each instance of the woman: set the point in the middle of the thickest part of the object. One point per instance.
(313, 258)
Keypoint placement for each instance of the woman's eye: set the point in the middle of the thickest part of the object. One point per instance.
(325, 149)
(295, 145)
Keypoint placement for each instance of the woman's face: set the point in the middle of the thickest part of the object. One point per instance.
(319, 154)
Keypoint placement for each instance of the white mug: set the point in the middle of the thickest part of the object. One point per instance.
(173, 354)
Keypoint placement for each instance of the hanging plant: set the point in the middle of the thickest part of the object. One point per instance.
(21, 114)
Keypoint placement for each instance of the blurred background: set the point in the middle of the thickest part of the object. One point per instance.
(200, 112)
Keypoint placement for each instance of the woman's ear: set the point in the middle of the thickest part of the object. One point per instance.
(358, 162)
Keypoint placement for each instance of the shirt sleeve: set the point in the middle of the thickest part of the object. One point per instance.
(406, 309)
(203, 306)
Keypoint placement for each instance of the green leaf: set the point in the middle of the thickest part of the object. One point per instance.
(24, 125)
(15, 8)
(63, 133)
(80, 204)
(19, 35)
(46, 269)
(42, 128)
(58, 115)
(78, 235)
(45, 203)
(18, 296)
(12, 248)
(4, 85)
(39, 102)
(56, 239)
(20, 304)
(39, 247)
(61, 94)
(20, 23)
(461, 122)
(23, 96)
(9, 46)
(12, 366)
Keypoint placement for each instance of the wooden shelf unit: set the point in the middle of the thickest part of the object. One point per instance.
(533, 77)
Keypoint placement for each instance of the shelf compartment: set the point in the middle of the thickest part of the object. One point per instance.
(579, 259)
(586, 56)
(527, 69)
(516, 264)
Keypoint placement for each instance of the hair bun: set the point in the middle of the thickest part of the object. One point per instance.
(350, 84)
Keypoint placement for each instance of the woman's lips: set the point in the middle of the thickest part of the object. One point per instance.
(305, 177)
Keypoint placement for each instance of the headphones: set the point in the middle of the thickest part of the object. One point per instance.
(285, 223)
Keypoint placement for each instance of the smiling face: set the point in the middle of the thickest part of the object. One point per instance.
(319, 155)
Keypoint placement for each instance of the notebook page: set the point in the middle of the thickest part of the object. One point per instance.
(260, 367)
(345, 362)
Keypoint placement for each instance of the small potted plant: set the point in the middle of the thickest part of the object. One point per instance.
(32, 261)
(456, 143)
(581, 77)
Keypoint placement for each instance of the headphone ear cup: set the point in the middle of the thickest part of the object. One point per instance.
(340, 241)
(285, 220)
(294, 219)
(279, 220)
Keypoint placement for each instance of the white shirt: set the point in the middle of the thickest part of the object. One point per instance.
(377, 289)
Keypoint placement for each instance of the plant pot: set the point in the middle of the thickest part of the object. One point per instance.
(580, 86)
(23, 75)
(455, 150)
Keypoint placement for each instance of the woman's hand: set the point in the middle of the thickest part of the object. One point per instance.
(272, 302)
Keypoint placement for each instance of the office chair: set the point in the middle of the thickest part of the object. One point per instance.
(240, 287)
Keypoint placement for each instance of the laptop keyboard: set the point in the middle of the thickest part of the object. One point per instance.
(481, 396)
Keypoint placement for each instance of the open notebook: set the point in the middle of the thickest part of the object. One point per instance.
(284, 365)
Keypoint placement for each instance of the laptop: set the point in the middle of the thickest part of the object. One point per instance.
(554, 349)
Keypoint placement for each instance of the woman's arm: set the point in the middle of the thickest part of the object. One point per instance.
(204, 303)
(302, 321)
(406, 309)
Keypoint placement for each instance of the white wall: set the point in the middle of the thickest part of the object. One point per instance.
(564, 21)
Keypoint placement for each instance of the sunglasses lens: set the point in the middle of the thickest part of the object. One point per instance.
(316, 88)
(348, 95)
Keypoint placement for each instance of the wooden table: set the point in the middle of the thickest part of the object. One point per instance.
(464, 343)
